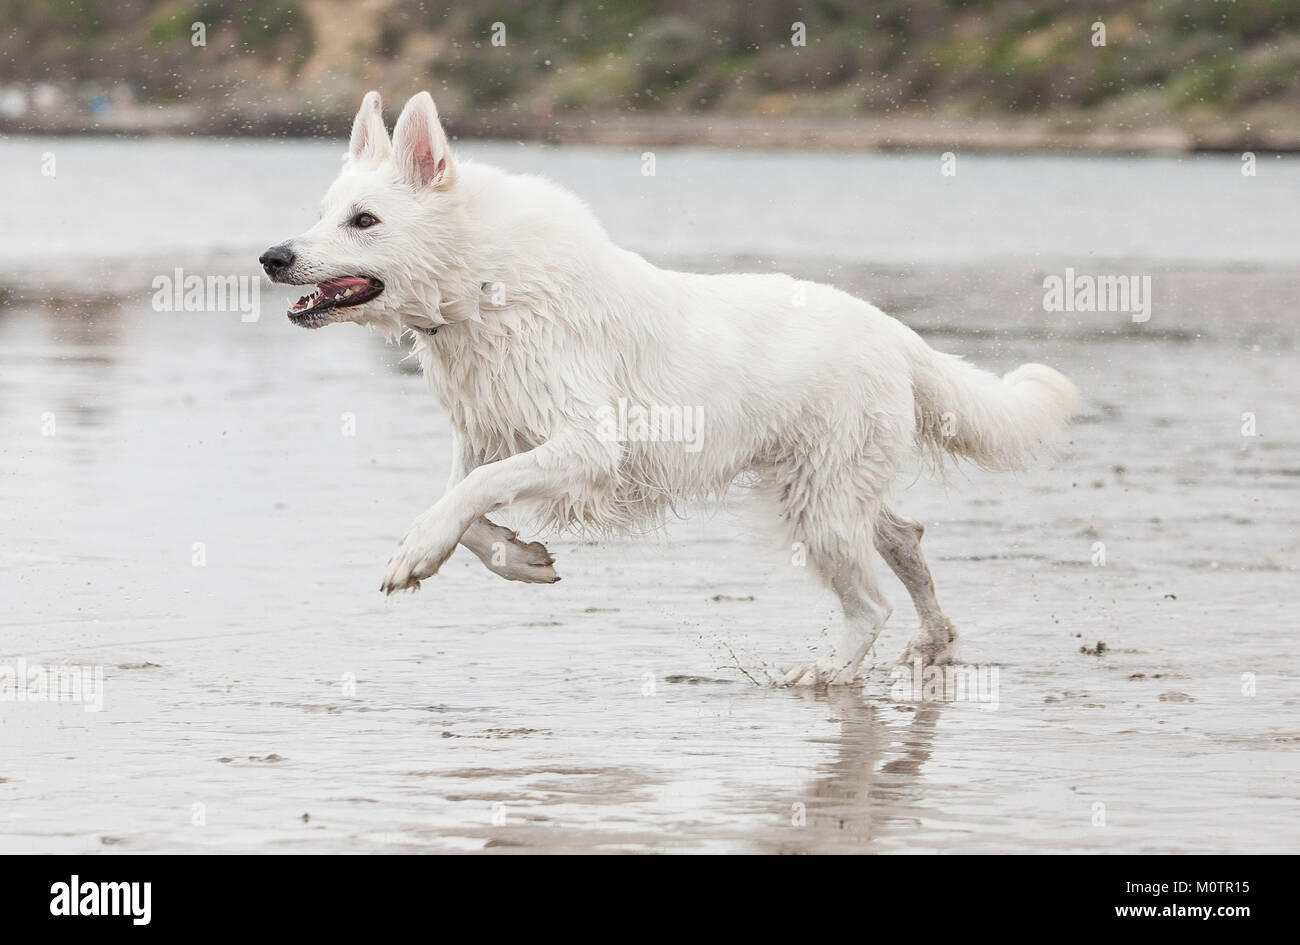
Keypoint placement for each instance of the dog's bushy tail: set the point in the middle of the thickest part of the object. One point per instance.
(999, 423)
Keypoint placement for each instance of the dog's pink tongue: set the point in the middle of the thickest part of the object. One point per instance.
(328, 291)
(335, 286)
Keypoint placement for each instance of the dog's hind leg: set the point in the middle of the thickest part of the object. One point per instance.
(498, 547)
(831, 507)
(832, 484)
(865, 611)
(899, 542)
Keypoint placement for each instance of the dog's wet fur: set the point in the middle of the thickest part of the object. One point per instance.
(532, 327)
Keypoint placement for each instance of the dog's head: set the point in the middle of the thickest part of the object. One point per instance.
(386, 225)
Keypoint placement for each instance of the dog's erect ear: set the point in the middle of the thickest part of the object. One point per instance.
(369, 136)
(420, 145)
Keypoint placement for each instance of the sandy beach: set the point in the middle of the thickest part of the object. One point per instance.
(209, 519)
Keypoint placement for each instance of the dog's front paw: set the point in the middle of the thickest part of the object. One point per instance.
(516, 560)
(529, 562)
(419, 555)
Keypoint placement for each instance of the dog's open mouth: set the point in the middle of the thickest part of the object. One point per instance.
(311, 311)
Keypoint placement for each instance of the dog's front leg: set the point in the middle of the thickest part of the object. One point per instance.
(562, 466)
(503, 552)
(498, 547)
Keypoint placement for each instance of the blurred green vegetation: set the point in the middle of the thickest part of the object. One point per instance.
(952, 56)
(143, 43)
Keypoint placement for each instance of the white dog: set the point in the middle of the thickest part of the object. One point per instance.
(532, 328)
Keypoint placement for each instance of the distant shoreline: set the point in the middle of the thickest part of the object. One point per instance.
(875, 132)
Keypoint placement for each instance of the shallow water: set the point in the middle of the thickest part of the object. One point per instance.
(628, 707)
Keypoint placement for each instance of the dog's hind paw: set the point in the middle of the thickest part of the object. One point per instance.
(821, 674)
(933, 646)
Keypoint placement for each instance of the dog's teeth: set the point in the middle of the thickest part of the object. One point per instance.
(328, 292)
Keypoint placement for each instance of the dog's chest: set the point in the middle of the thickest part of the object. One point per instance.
(498, 395)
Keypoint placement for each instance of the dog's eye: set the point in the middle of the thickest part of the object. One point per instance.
(364, 221)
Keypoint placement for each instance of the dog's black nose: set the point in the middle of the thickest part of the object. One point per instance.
(276, 259)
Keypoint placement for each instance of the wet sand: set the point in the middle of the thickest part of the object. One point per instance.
(628, 708)
(225, 684)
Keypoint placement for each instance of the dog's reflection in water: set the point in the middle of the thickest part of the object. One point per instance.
(871, 784)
